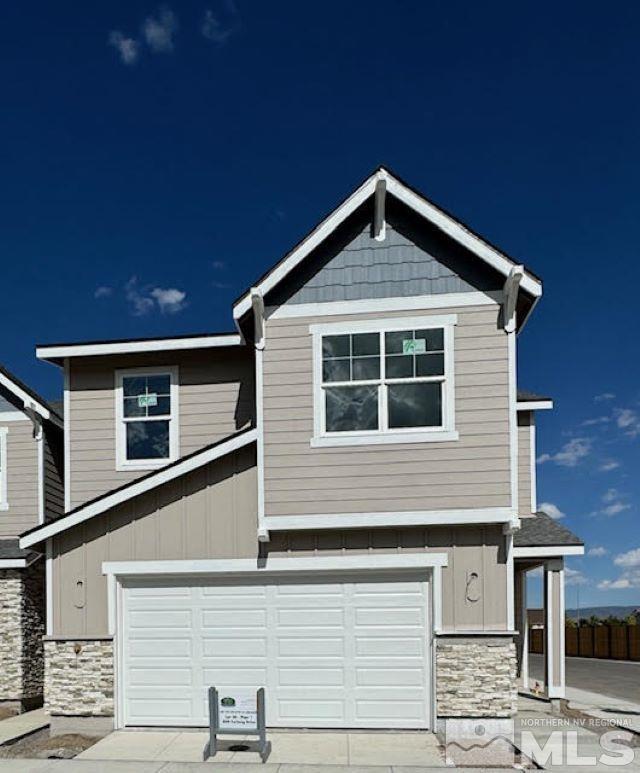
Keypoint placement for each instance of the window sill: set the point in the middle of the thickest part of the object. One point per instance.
(143, 466)
(394, 438)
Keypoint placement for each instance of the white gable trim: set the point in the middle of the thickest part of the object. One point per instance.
(141, 487)
(444, 222)
(549, 551)
(535, 405)
(136, 347)
(28, 400)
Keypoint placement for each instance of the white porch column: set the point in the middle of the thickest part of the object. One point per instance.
(554, 628)
(523, 625)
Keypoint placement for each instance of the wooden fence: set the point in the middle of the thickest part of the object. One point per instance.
(616, 642)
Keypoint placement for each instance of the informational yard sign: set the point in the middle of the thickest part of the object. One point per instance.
(414, 346)
(237, 710)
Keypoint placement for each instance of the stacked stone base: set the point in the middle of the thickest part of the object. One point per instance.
(476, 677)
(79, 685)
(22, 610)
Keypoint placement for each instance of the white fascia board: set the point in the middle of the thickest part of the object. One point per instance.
(28, 400)
(442, 221)
(381, 305)
(549, 551)
(17, 563)
(269, 565)
(137, 347)
(535, 405)
(141, 487)
(365, 520)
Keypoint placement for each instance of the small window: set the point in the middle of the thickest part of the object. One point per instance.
(384, 383)
(4, 504)
(147, 417)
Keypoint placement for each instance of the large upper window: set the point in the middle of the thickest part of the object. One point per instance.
(146, 414)
(390, 381)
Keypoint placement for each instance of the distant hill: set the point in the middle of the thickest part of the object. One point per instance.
(601, 611)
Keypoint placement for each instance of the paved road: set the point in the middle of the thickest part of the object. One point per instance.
(607, 677)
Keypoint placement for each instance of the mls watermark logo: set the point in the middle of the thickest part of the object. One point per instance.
(536, 743)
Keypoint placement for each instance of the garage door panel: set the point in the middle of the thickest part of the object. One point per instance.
(340, 654)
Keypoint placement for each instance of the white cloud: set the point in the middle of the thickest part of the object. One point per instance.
(615, 508)
(127, 48)
(570, 455)
(629, 559)
(597, 552)
(139, 301)
(603, 397)
(574, 577)
(170, 301)
(608, 465)
(628, 420)
(159, 29)
(630, 577)
(104, 291)
(213, 29)
(553, 511)
(596, 421)
(619, 584)
(218, 265)
(610, 495)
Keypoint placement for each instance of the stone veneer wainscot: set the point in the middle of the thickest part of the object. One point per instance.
(78, 677)
(476, 677)
(21, 630)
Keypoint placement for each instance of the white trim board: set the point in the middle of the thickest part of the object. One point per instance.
(535, 405)
(548, 551)
(426, 209)
(11, 416)
(372, 562)
(28, 400)
(365, 520)
(140, 487)
(375, 305)
(17, 563)
(61, 351)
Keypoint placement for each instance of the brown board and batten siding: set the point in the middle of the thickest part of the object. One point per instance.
(216, 398)
(472, 472)
(208, 513)
(525, 424)
(22, 479)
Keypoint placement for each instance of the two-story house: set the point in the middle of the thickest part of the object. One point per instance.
(31, 479)
(336, 501)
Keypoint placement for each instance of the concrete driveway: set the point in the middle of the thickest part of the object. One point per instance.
(614, 678)
(418, 749)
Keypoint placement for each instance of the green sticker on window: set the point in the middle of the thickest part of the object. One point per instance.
(414, 346)
(147, 401)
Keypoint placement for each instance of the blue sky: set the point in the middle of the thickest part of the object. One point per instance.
(156, 159)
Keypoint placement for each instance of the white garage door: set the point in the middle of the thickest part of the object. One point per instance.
(339, 653)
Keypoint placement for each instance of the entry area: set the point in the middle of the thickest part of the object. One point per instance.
(350, 651)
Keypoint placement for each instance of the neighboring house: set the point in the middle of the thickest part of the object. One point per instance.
(31, 476)
(336, 501)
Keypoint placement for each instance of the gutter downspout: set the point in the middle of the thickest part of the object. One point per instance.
(257, 306)
(511, 289)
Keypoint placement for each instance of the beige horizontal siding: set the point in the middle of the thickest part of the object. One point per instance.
(22, 480)
(525, 421)
(209, 513)
(302, 480)
(216, 398)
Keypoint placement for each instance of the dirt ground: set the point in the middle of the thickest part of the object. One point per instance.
(41, 745)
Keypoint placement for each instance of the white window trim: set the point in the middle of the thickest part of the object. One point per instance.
(447, 432)
(4, 499)
(122, 463)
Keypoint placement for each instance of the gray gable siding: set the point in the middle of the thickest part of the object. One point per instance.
(413, 259)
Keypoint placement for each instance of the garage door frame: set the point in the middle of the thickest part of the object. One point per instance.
(119, 572)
